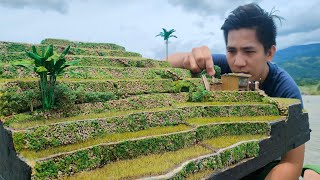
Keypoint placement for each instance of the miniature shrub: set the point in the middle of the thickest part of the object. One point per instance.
(200, 95)
(181, 86)
(65, 97)
(12, 102)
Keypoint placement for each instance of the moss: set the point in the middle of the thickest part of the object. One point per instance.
(219, 161)
(201, 121)
(225, 141)
(201, 95)
(215, 130)
(156, 164)
(123, 150)
(28, 123)
(18, 140)
(108, 138)
(229, 110)
(199, 175)
(68, 133)
(63, 42)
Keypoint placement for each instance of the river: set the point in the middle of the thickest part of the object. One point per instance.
(312, 153)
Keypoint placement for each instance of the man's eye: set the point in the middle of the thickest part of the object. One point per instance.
(250, 52)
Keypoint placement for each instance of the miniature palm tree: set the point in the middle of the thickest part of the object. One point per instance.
(166, 35)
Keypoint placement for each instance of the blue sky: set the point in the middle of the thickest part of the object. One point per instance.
(134, 23)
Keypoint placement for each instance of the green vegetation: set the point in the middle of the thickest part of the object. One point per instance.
(220, 161)
(157, 164)
(302, 62)
(96, 156)
(310, 89)
(108, 138)
(304, 70)
(48, 66)
(202, 121)
(116, 113)
(225, 141)
(63, 42)
(166, 36)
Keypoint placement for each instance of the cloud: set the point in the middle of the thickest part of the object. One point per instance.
(209, 7)
(60, 6)
(304, 19)
(299, 38)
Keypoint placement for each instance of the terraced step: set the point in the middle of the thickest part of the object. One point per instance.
(96, 156)
(146, 101)
(96, 110)
(32, 155)
(100, 72)
(216, 162)
(19, 95)
(57, 134)
(22, 47)
(79, 44)
(156, 163)
(14, 56)
(118, 61)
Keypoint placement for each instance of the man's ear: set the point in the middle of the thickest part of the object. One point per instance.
(271, 53)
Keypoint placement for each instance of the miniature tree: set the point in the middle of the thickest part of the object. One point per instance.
(166, 35)
(48, 66)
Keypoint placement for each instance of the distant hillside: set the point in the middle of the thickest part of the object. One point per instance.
(310, 50)
(301, 62)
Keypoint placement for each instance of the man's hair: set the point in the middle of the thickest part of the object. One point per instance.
(252, 16)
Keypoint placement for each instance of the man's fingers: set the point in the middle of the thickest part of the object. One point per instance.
(208, 60)
(209, 67)
(189, 63)
(198, 57)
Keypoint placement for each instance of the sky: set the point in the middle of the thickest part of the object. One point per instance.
(135, 23)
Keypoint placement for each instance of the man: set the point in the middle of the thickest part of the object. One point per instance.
(250, 34)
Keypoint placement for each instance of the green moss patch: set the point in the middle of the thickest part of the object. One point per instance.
(97, 156)
(41, 137)
(202, 121)
(230, 110)
(20, 96)
(63, 42)
(216, 103)
(156, 164)
(118, 61)
(139, 102)
(23, 121)
(225, 96)
(225, 141)
(221, 160)
(108, 138)
(217, 130)
(88, 72)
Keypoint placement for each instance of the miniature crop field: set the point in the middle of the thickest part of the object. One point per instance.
(118, 115)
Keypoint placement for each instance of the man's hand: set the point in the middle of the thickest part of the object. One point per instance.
(198, 59)
(290, 165)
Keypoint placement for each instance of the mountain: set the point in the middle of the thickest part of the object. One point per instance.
(292, 52)
(302, 62)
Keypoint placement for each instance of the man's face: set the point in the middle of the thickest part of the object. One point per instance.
(245, 54)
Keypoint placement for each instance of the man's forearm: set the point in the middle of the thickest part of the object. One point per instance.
(290, 166)
(176, 59)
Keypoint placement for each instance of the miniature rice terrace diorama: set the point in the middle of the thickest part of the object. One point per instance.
(78, 110)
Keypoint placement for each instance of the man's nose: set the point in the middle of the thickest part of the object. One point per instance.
(239, 60)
